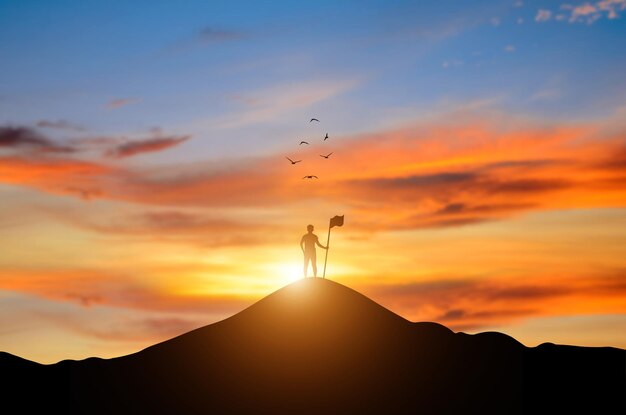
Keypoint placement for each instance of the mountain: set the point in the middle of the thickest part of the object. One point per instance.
(316, 346)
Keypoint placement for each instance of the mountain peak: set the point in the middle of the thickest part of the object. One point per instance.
(311, 313)
(318, 299)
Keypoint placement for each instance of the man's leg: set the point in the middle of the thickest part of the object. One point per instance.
(306, 263)
(314, 264)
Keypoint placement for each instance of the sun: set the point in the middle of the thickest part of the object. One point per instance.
(285, 272)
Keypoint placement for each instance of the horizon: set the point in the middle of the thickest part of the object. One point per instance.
(478, 155)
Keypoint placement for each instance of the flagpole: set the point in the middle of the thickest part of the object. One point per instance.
(327, 242)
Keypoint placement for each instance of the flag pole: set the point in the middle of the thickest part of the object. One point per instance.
(327, 242)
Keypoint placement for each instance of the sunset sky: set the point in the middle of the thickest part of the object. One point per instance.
(479, 158)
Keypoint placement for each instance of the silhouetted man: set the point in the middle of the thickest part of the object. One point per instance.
(307, 243)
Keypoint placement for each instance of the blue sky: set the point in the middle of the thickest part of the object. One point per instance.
(199, 66)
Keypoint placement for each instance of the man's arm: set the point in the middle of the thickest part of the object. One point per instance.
(302, 244)
(317, 241)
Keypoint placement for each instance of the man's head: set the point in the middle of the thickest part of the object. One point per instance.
(309, 228)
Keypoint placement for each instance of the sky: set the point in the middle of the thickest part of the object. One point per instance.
(478, 155)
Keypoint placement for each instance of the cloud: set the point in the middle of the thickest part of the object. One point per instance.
(96, 141)
(98, 288)
(23, 138)
(546, 94)
(616, 161)
(83, 193)
(543, 15)
(509, 48)
(150, 145)
(245, 99)
(591, 12)
(461, 303)
(583, 10)
(458, 208)
(477, 303)
(455, 199)
(583, 13)
(59, 125)
(177, 226)
(33, 160)
(59, 175)
(418, 181)
(285, 99)
(205, 36)
(19, 136)
(114, 329)
(121, 102)
(451, 63)
(137, 329)
(214, 35)
(450, 171)
(85, 300)
(611, 7)
(526, 186)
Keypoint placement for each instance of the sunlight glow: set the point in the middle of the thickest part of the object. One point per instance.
(284, 272)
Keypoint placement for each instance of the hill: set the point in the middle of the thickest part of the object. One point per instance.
(316, 346)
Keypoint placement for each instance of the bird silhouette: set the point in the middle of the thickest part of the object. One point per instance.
(293, 162)
(310, 177)
(303, 142)
(326, 156)
(325, 138)
(314, 119)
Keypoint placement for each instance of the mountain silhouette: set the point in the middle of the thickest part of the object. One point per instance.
(316, 346)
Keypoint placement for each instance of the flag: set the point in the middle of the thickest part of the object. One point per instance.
(336, 221)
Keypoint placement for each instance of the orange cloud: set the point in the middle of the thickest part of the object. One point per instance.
(134, 148)
(176, 226)
(147, 330)
(55, 175)
(470, 304)
(452, 171)
(92, 287)
(474, 304)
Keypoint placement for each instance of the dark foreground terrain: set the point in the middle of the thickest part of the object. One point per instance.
(316, 346)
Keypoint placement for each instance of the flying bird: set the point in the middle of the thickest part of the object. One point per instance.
(304, 142)
(314, 119)
(326, 156)
(310, 177)
(325, 138)
(293, 162)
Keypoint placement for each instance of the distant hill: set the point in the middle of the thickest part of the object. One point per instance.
(316, 346)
